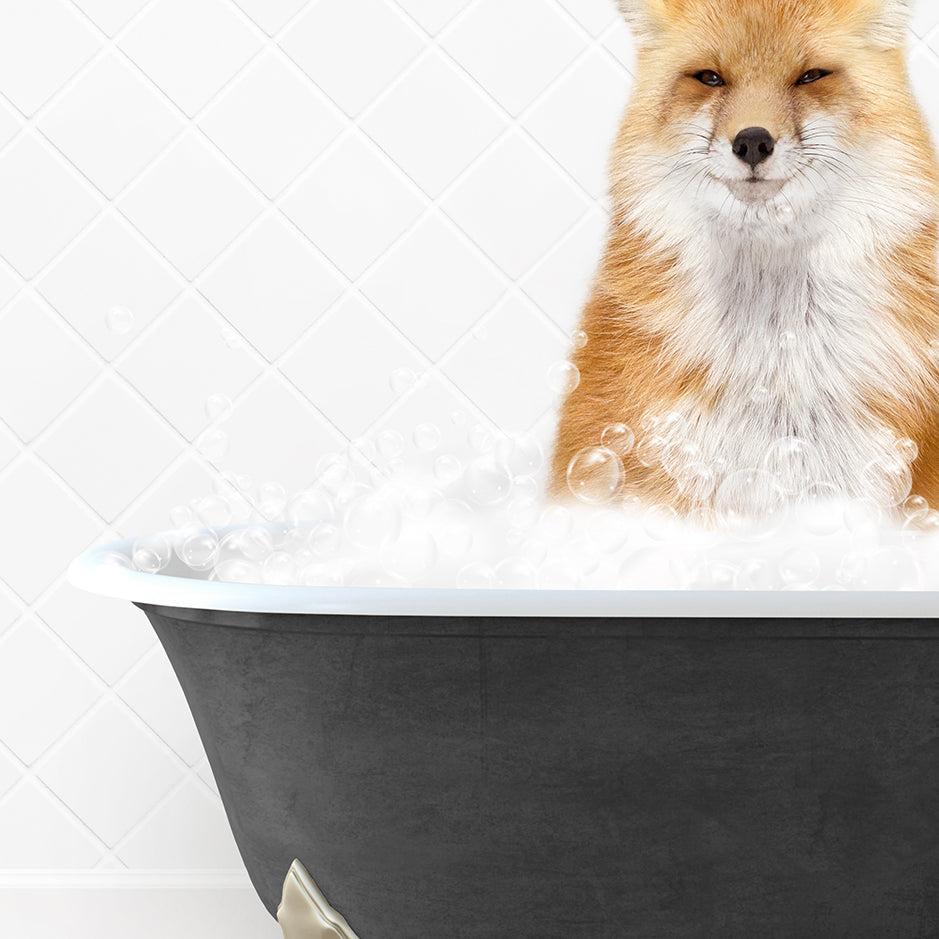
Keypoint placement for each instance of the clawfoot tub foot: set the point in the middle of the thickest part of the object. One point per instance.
(304, 913)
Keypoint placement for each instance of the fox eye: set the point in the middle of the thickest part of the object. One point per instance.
(813, 75)
(710, 78)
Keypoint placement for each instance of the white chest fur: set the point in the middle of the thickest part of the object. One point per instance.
(795, 340)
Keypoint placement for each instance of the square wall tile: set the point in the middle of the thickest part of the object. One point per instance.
(43, 691)
(594, 15)
(505, 370)
(189, 832)
(10, 123)
(153, 691)
(10, 610)
(42, 43)
(110, 448)
(433, 15)
(271, 122)
(191, 204)
(272, 15)
(434, 284)
(495, 36)
(345, 365)
(190, 48)
(9, 775)
(108, 635)
(355, 205)
(110, 15)
(515, 205)
(185, 360)
(185, 481)
(276, 435)
(10, 284)
(9, 446)
(45, 204)
(434, 123)
(585, 107)
(33, 503)
(272, 286)
(40, 355)
(352, 50)
(32, 821)
(110, 772)
(110, 284)
(111, 123)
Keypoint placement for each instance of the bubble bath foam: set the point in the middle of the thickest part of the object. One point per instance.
(658, 764)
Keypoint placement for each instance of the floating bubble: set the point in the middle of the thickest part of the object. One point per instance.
(618, 438)
(795, 463)
(488, 481)
(481, 439)
(237, 571)
(427, 437)
(595, 475)
(522, 456)
(800, 567)
(888, 480)
(309, 506)
(915, 508)
(696, 482)
(182, 516)
(120, 320)
(279, 568)
(650, 450)
(151, 553)
(447, 469)
(272, 500)
(213, 511)
(325, 540)
(750, 503)
(907, 449)
(334, 473)
(198, 549)
(218, 407)
(402, 380)
(579, 339)
(563, 378)
(516, 574)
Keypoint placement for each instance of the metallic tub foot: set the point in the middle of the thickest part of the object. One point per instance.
(304, 913)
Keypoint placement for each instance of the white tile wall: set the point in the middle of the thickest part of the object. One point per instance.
(281, 201)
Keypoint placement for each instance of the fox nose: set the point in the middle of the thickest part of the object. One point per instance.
(754, 145)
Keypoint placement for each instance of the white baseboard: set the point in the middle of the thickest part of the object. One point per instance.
(132, 905)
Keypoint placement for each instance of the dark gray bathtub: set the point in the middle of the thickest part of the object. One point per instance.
(558, 776)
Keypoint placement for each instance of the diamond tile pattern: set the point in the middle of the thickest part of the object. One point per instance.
(282, 201)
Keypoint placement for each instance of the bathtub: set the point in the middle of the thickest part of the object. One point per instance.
(566, 764)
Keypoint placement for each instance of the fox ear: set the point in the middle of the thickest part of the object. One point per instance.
(891, 19)
(641, 16)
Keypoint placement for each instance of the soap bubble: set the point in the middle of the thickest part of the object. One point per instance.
(618, 438)
(563, 378)
(481, 439)
(907, 449)
(151, 553)
(325, 540)
(749, 503)
(853, 570)
(595, 475)
(579, 339)
(218, 407)
(427, 437)
(198, 548)
(279, 568)
(489, 481)
(309, 506)
(372, 521)
(182, 516)
(889, 480)
(320, 575)
(390, 444)
(556, 523)
(334, 473)
(448, 469)
(213, 511)
(696, 482)
(402, 380)
(522, 456)
(272, 500)
(915, 508)
(651, 449)
(756, 574)
(120, 320)
(794, 462)
(237, 571)
(800, 567)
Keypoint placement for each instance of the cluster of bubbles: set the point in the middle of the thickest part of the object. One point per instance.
(459, 506)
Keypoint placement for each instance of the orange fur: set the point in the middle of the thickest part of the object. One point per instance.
(629, 367)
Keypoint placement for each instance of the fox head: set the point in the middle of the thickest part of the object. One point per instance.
(765, 116)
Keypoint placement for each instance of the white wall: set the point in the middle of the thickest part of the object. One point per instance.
(282, 202)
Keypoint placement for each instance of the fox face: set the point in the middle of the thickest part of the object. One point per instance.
(768, 116)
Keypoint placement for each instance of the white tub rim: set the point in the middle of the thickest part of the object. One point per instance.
(91, 572)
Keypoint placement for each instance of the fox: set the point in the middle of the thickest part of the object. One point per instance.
(767, 304)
